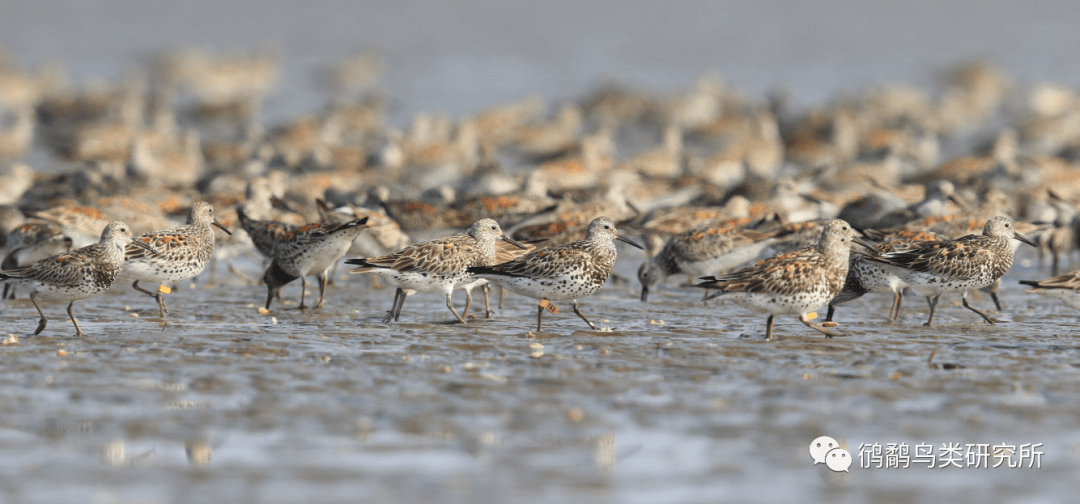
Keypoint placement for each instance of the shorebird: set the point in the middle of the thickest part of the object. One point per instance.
(504, 251)
(702, 251)
(265, 234)
(30, 243)
(865, 277)
(75, 275)
(1065, 287)
(793, 283)
(960, 265)
(572, 271)
(308, 250)
(182, 253)
(436, 265)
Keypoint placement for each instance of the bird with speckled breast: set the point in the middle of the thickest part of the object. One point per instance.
(79, 274)
(792, 283)
(182, 253)
(569, 272)
(309, 250)
(436, 265)
(865, 277)
(960, 265)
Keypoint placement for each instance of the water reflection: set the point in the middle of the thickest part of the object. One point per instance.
(604, 453)
(115, 454)
(198, 451)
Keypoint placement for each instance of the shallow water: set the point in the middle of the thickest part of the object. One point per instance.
(226, 405)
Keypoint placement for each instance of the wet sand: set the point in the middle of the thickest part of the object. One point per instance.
(329, 405)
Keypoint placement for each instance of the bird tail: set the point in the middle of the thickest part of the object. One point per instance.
(363, 265)
(484, 270)
(9, 275)
(709, 282)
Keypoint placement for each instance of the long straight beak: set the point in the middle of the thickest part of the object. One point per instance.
(862, 242)
(222, 226)
(644, 293)
(140, 243)
(1025, 240)
(514, 242)
(627, 240)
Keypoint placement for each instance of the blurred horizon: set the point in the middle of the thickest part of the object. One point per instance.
(460, 57)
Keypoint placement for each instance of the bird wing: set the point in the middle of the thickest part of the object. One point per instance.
(958, 258)
(774, 275)
(67, 268)
(162, 241)
(546, 263)
(441, 256)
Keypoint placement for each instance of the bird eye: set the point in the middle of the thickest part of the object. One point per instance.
(492, 228)
(607, 227)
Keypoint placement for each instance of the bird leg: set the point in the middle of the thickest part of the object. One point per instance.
(933, 305)
(393, 308)
(78, 331)
(303, 290)
(578, 312)
(468, 302)
(41, 323)
(487, 301)
(817, 327)
(985, 317)
(992, 289)
(157, 296)
(397, 312)
(894, 312)
(768, 327)
(142, 290)
(452, 310)
(539, 318)
(161, 304)
(324, 280)
(269, 296)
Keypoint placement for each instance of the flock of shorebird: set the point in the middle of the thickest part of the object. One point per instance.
(841, 200)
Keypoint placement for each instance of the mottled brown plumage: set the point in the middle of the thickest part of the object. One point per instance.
(182, 253)
(866, 276)
(30, 243)
(960, 265)
(570, 271)
(796, 282)
(435, 265)
(417, 216)
(265, 234)
(504, 251)
(1065, 287)
(701, 251)
(308, 250)
(75, 275)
